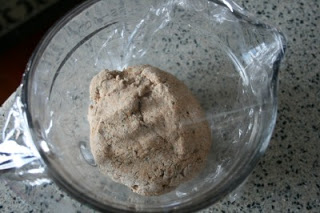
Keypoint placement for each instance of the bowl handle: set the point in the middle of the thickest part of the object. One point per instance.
(19, 157)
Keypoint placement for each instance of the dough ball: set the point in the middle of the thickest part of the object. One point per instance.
(147, 130)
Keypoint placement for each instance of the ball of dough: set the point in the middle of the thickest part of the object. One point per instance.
(147, 130)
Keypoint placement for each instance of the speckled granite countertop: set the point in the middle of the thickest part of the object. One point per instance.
(287, 177)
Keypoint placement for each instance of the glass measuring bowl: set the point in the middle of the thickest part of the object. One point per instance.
(227, 58)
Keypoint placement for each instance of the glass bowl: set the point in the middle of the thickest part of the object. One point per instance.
(225, 56)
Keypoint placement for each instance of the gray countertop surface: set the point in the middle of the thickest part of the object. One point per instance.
(287, 179)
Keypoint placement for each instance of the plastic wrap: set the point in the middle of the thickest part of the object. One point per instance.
(227, 59)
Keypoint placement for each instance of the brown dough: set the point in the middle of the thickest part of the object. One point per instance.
(148, 131)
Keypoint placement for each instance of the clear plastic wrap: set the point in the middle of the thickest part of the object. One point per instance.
(227, 59)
